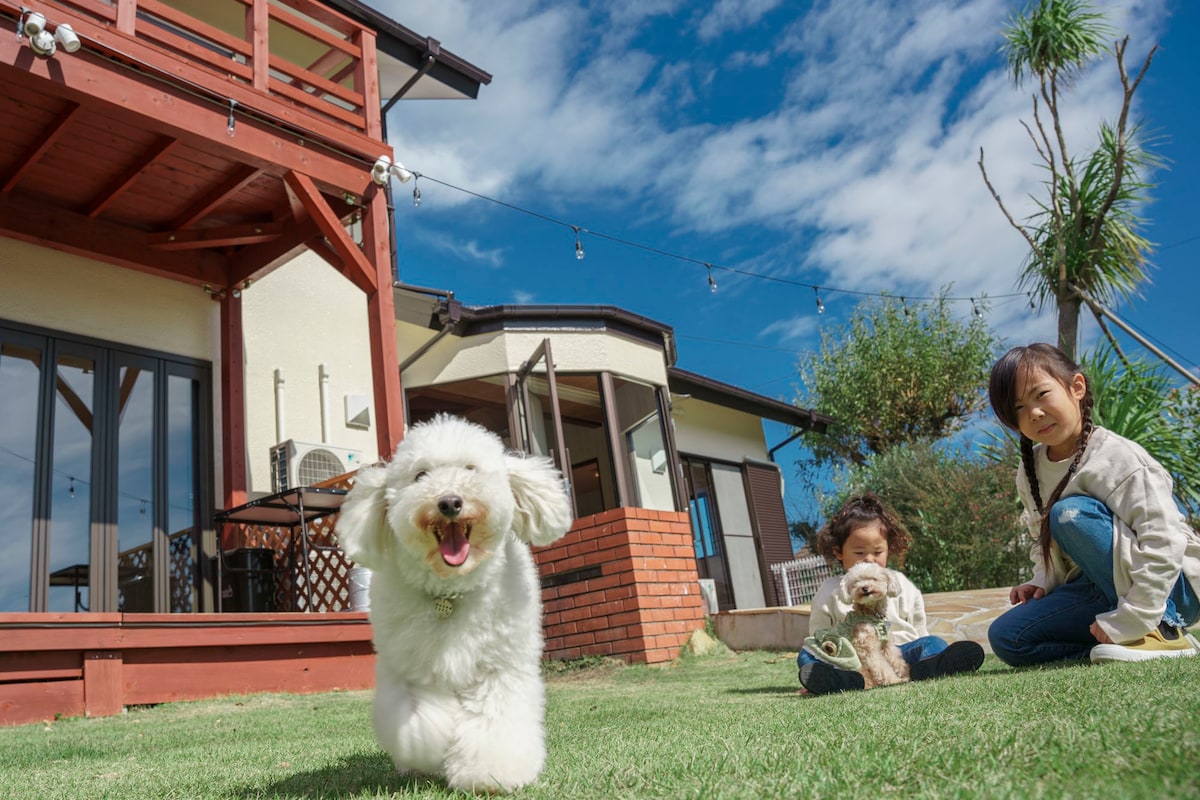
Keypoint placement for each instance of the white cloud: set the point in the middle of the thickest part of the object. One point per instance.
(867, 164)
(732, 15)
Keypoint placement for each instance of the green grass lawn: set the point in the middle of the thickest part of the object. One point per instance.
(721, 726)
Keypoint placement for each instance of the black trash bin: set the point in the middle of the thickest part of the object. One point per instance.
(248, 580)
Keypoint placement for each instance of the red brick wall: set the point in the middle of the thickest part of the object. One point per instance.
(626, 587)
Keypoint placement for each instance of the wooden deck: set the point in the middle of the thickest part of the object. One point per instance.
(54, 665)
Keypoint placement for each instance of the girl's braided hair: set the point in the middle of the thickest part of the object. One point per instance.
(1007, 374)
(855, 512)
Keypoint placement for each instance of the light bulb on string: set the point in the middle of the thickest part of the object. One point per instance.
(142, 510)
(71, 488)
(712, 282)
(578, 243)
(1032, 305)
(975, 309)
(904, 305)
(416, 193)
(820, 305)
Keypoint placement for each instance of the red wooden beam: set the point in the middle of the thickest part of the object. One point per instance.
(202, 208)
(233, 400)
(227, 236)
(381, 321)
(122, 183)
(30, 220)
(47, 139)
(358, 269)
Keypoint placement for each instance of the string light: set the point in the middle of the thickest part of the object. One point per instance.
(1032, 306)
(904, 305)
(416, 190)
(679, 257)
(975, 309)
(71, 488)
(712, 282)
(232, 121)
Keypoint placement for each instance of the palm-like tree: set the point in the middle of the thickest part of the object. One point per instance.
(1085, 235)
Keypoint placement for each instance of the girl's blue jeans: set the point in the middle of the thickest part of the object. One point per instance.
(912, 651)
(1056, 627)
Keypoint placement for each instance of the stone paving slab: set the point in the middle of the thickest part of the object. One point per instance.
(965, 615)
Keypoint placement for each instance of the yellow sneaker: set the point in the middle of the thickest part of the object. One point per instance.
(1164, 641)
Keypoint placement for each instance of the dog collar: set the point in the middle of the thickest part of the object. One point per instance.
(444, 605)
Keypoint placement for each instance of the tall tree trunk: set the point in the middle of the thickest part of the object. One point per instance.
(1068, 322)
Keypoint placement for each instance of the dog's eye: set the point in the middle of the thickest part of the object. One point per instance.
(420, 475)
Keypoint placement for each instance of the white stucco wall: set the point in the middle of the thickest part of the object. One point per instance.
(302, 315)
(455, 358)
(77, 295)
(712, 431)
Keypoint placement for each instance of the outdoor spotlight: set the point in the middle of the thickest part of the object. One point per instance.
(66, 37)
(35, 23)
(42, 43)
(379, 172)
(384, 167)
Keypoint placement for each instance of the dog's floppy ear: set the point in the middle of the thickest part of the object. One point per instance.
(894, 587)
(543, 512)
(362, 524)
(845, 587)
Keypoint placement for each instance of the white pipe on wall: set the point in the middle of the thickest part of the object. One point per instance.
(280, 425)
(324, 404)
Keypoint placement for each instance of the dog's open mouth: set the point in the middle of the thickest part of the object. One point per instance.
(453, 542)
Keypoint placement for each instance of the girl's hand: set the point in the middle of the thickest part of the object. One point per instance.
(1024, 593)
(1101, 636)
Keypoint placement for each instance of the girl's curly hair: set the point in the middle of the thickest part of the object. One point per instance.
(856, 512)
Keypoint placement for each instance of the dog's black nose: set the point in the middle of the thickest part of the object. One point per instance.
(450, 505)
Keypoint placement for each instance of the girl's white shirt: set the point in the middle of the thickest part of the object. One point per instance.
(905, 611)
(1152, 542)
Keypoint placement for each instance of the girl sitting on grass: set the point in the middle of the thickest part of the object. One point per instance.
(1116, 565)
(865, 530)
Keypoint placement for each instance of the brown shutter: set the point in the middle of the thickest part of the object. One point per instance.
(770, 522)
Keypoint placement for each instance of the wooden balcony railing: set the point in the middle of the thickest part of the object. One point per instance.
(300, 51)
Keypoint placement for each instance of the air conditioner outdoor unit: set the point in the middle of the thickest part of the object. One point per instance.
(304, 463)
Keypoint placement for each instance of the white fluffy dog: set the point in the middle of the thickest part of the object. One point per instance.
(868, 587)
(456, 605)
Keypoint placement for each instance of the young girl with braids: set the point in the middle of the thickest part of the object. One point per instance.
(1116, 565)
(864, 529)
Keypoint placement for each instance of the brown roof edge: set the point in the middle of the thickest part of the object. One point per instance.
(729, 396)
(477, 319)
(405, 36)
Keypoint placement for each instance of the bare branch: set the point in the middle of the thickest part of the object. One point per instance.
(1118, 178)
(996, 196)
(1048, 158)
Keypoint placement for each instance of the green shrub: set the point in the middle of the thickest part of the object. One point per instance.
(962, 511)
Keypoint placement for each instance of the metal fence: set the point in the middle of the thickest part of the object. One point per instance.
(796, 581)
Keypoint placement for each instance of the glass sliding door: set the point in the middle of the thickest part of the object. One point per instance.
(71, 497)
(180, 550)
(21, 360)
(136, 505)
(104, 476)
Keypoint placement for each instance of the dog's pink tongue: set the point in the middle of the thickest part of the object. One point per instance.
(454, 545)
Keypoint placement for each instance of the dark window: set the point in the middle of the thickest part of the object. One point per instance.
(577, 419)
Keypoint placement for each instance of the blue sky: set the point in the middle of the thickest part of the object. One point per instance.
(821, 143)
